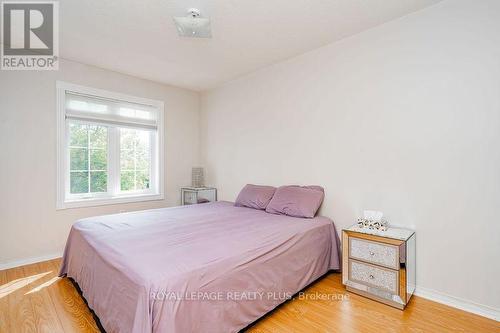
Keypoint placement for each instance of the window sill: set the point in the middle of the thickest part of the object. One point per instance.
(92, 202)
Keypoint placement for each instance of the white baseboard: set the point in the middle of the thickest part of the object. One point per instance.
(27, 261)
(459, 303)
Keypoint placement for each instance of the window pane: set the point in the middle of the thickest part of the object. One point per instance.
(78, 135)
(79, 182)
(143, 160)
(98, 136)
(127, 138)
(135, 159)
(88, 158)
(142, 141)
(127, 160)
(142, 180)
(98, 181)
(127, 181)
(78, 159)
(98, 159)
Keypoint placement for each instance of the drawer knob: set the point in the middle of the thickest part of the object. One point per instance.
(372, 253)
(371, 276)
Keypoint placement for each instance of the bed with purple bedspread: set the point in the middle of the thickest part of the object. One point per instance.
(204, 268)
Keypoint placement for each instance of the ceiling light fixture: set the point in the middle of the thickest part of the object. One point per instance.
(193, 25)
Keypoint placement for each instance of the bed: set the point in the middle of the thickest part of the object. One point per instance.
(211, 267)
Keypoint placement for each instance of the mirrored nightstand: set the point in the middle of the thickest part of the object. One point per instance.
(196, 195)
(379, 264)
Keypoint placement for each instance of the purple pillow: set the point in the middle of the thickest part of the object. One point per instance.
(255, 196)
(298, 201)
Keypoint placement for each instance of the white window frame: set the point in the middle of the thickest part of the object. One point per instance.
(64, 200)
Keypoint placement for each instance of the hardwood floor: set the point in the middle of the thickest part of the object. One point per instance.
(34, 299)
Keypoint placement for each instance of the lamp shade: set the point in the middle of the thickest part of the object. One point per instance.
(197, 177)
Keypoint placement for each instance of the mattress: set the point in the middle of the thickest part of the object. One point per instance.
(211, 267)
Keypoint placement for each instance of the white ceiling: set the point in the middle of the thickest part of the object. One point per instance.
(139, 38)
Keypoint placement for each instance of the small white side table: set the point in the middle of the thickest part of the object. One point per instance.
(195, 195)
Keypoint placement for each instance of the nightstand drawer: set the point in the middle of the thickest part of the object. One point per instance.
(377, 253)
(379, 277)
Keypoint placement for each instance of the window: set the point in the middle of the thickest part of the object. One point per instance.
(109, 147)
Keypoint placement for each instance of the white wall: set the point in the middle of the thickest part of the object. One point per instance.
(30, 226)
(403, 118)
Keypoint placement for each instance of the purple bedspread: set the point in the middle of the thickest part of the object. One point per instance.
(204, 268)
